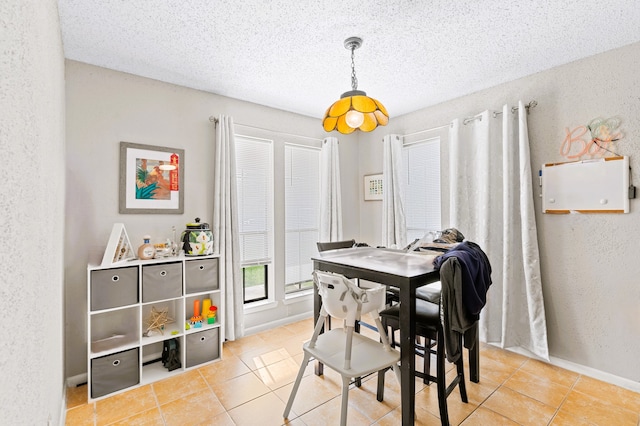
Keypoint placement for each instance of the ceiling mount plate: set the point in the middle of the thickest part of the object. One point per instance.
(352, 43)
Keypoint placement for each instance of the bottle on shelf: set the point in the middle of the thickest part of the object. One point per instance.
(146, 250)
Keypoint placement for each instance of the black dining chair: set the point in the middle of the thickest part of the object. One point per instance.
(334, 245)
(430, 327)
(445, 315)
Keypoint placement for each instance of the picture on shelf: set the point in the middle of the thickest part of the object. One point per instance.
(119, 247)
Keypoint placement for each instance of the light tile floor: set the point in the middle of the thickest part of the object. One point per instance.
(251, 385)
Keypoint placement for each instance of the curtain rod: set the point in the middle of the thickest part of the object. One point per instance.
(426, 130)
(215, 121)
(531, 104)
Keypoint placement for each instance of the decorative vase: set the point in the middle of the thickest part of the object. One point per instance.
(197, 239)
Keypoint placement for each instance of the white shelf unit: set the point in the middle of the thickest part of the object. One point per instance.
(121, 297)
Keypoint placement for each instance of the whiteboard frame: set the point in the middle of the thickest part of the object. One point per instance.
(587, 186)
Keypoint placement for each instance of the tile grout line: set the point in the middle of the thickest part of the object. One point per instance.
(573, 385)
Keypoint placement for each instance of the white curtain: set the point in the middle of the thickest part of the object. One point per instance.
(225, 227)
(492, 204)
(330, 198)
(394, 226)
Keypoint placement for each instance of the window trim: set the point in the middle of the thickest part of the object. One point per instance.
(269, 263)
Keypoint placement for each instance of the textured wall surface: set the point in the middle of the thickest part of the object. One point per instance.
(31, 212)
(105, 107)
(589, 263)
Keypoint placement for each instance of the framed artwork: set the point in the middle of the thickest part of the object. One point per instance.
(151, 179)
(119, 247)
(373, 187)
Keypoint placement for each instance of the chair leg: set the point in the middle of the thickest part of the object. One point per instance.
(380, 390)
(296, 384)
(345, 401)
(427, 360)
(441, 382)
(461, 384)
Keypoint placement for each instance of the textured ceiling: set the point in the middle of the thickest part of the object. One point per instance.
(290, 54)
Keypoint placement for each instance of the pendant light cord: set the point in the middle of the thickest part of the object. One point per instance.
(354, 79)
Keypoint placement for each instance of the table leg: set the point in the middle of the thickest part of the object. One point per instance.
(407, 350)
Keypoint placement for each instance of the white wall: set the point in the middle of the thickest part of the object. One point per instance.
(32, 206)
(590, 264)
(105, 107)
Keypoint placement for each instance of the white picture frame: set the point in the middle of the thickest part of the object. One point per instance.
(119, 248)
(373, 187)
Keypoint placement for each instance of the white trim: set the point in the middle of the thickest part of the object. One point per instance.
(261, 305)
(581, 369)
(278, 323)
(298, 296)
(77, 380)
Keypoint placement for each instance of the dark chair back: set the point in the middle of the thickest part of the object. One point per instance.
(333, 245)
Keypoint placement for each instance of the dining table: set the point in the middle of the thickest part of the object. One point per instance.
(406, 271)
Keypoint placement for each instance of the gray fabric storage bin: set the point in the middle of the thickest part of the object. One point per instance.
(111, 288)
(202, 347)
(201, 275)
(163, 281)
(114, 372)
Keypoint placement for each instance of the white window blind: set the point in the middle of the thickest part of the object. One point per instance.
(422, 166)
(302, 209)
(254, 171)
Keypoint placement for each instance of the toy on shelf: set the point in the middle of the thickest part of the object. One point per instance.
(211, 316)
(156, 321)
(196, 319)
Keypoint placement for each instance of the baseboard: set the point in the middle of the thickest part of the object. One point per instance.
(597, 374)
(74, 381)
(278, 323)
(582, 369)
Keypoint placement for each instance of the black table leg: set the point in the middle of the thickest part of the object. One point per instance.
(407, 348)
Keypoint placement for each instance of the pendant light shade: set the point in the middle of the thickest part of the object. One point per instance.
(354, 110)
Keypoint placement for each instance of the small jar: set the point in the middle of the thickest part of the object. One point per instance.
(146, 250)
(197, 239)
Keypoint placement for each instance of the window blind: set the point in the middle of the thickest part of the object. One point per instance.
(302, 209)
(422, 180)
(254, 171)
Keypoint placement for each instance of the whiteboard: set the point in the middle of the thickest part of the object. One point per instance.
(587, 186)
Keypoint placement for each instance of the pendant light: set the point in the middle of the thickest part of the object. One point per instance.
(354, 110)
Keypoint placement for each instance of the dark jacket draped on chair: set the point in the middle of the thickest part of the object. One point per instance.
(465, 274)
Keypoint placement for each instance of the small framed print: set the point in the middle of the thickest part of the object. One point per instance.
(373, 187)
(151, 179)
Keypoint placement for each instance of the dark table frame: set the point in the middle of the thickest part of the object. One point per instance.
(405, 271)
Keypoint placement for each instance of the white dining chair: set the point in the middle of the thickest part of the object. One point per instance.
(350, 354)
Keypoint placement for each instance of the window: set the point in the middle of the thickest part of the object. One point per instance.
(302, 215)
(254, 172)
(422, 172)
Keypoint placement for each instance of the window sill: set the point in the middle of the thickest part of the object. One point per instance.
(298, 297)
(262, 305)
